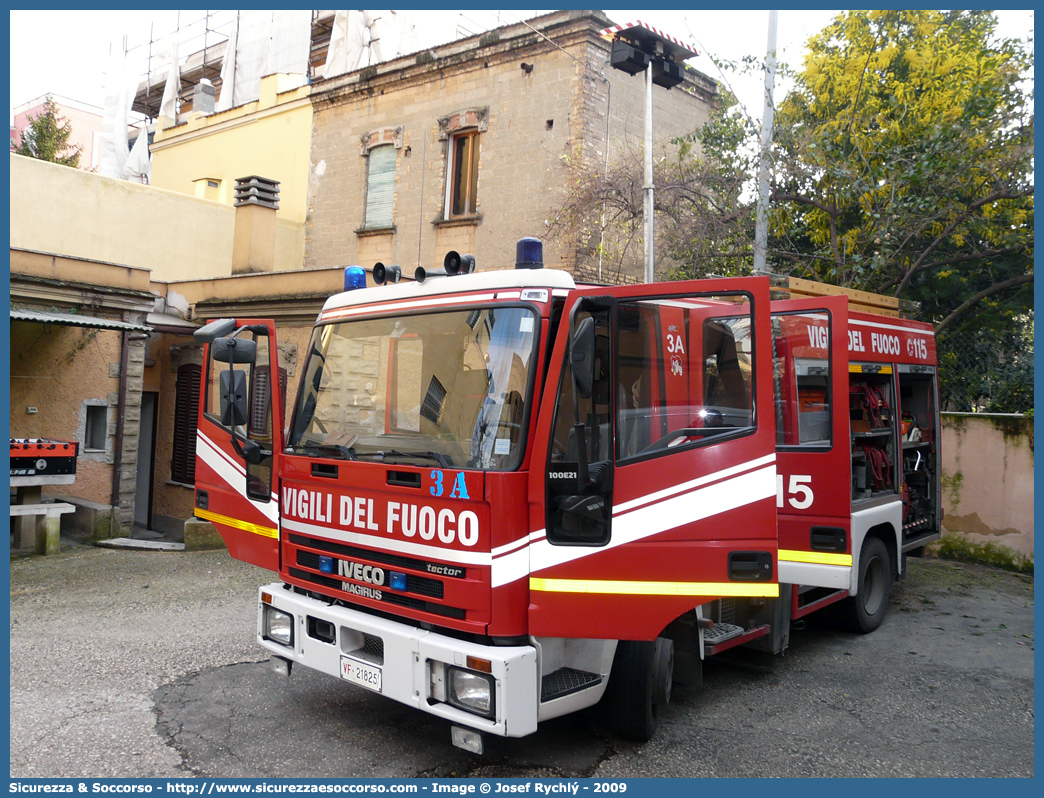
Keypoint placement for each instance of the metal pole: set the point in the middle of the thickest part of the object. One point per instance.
(649, 277)
(764, 167)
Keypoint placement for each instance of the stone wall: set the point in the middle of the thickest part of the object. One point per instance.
(987, 471)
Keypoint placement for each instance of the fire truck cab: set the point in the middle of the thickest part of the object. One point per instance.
(501, 497)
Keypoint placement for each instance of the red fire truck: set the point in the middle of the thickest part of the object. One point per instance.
(502, 497)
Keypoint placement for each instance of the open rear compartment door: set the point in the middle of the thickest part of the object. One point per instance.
(921, 469)
(811, 387)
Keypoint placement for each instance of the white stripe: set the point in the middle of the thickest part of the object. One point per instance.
(917, 330)
(666, 515)
(695, 483)
(667, 509)
(510, 568)
(234, 475)
(459, 299)
(387, 544)
(507, 548)
(817, 574)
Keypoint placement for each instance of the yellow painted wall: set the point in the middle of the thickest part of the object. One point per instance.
(77, 214)
(270, 137)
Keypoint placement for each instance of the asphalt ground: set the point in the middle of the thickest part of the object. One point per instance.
(143, 664)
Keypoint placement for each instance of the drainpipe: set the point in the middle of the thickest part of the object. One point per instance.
(121, 411)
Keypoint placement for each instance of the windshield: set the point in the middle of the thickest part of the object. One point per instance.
(447, 388)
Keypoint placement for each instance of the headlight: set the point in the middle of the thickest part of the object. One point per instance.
(279, 627)
(472, 691)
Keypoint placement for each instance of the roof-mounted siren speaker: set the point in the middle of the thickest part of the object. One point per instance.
(422, 274)
(529, 253)
(456, 263)
(386, 274)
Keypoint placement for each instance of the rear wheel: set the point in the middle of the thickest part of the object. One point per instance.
(867, 608)
(639, 685)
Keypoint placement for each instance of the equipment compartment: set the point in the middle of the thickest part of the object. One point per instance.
(872, 420)
(919, 438)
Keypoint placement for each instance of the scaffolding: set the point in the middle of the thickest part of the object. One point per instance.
(205, 39)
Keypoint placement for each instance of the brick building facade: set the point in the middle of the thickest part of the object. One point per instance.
(476, 142)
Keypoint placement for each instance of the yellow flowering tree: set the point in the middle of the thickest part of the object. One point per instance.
(904, 163)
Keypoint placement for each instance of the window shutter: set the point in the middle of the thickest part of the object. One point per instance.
(186, 405)
(380, 186)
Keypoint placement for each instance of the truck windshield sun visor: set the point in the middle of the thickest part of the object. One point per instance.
(451, 388)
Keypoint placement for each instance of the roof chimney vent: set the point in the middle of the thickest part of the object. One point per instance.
(256, 190)
(204, 97)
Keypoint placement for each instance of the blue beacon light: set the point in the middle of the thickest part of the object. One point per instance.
(529, 253)
(354, 277)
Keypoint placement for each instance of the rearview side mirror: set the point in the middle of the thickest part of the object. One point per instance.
(215, 329)
(234, 350)
(233, 393)
(581, 356)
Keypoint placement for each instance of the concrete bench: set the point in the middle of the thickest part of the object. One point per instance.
(51, 517)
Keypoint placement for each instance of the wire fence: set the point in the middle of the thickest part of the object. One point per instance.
(981, 372)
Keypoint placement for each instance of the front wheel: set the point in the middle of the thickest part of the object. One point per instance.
(867, 608)
(640, 683)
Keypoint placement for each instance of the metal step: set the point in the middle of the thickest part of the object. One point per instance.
(721, 632)
(733, 636)
(565, 681)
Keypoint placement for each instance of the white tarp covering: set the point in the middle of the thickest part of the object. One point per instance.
(397, 35)
(138, 166)
(169, 104)
(362, 38)
(228, 68)
(120, 87)
(263, 43)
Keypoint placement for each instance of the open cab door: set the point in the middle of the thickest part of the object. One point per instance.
(654, 481)
(239, 437)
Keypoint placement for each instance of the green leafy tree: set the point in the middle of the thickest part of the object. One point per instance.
(904, 164)
(47, 137)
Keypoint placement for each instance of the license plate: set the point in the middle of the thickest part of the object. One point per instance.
(362, 673)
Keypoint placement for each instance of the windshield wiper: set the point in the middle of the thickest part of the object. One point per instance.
(438, 457)
(345, 452)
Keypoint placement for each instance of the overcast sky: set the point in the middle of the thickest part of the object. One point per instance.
(65, 52)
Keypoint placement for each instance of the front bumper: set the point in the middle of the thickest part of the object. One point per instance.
(404, 655)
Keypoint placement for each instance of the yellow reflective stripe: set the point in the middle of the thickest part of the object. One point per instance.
(820, 557)
(856, 369)
(763, 589)
(265, 531)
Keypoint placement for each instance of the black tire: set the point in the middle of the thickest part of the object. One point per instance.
(639, 684)
(866, 610)
(663, 671)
